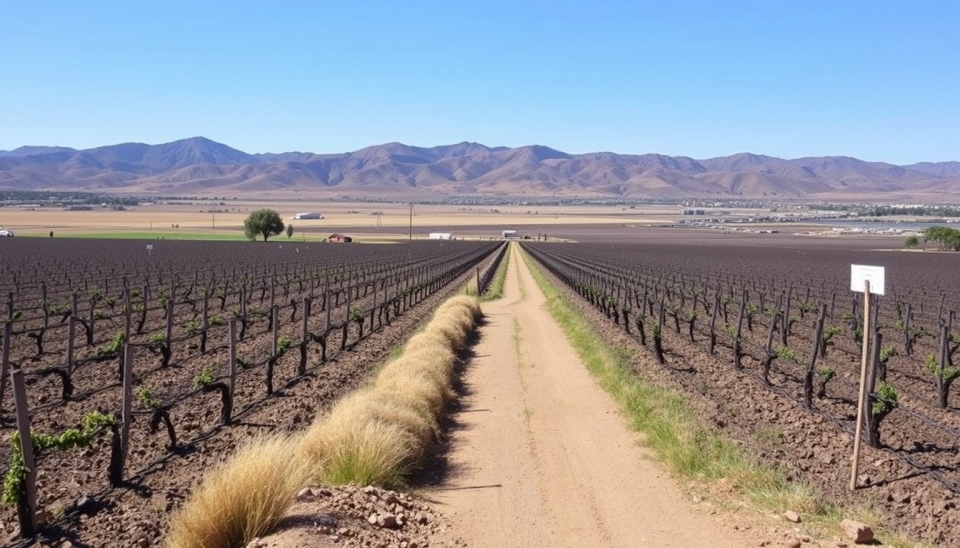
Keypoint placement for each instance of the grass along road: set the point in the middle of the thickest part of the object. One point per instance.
(541, 456)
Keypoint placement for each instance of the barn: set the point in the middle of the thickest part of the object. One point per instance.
(339, 238)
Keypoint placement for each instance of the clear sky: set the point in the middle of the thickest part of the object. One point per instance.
(874, 79)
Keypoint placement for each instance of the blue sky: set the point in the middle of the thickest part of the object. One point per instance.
(878, 80)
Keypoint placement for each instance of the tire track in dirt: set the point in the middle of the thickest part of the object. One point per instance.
(541, 456)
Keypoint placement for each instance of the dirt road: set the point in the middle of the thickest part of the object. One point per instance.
(542, 457)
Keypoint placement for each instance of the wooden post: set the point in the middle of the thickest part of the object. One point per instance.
(126, 316)
(27, 512)
(479, 289)
(326, 303)
(126, 410)
(863, 385)
(168, 334)
(205, 322)
(304, 336)
(5, 358)
(233, 354)
(374, 309)
(71, 333)
(273, 320)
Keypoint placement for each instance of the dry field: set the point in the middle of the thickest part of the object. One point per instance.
(370, 221)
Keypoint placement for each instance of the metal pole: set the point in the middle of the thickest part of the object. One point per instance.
(863, 385)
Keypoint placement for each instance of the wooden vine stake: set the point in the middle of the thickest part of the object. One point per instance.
(27, 503)
(126, 414)
(5, 358)
(861, 276)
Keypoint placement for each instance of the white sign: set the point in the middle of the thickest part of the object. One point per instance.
(859, 274)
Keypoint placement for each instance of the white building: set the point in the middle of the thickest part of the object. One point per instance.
(441, 236)
(303, 216)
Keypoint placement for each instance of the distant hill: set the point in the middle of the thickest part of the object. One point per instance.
(32, 151)
(395, 170)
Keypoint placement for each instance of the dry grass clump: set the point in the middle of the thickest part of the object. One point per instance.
(372, 437)
(377, 436)
(242, 498)
(463, 301)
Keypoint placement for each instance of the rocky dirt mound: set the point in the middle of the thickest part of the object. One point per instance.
(359, 517)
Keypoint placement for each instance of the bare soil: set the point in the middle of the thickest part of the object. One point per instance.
(540, 455)
(536, 455)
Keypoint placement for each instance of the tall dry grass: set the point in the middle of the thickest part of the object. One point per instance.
(242, 498)
(379, 435)
(372, 437)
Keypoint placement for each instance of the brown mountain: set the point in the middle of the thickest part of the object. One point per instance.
(394, 170)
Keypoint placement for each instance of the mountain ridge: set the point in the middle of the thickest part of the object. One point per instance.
(200, 165)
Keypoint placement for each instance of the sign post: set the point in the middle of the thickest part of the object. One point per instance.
(869, 279)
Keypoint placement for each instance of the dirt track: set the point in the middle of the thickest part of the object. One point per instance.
(540, 455)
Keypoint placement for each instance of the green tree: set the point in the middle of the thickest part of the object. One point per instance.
(947, 238)
(289, 231)
(263, 222)
(911, 242)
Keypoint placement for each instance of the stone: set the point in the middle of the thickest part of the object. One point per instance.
(387, 521)
(792, 543)
(305, 494)
(860, 533)
(326, 520)
(84, 504)
(372, 520)
(791, 516)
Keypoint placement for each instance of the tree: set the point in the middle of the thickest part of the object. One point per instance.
(263, 222)
(946, 238)
(289, 231)
(911, 242)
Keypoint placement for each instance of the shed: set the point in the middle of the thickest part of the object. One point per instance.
(339, 238)
(309, 215)
(510, 234)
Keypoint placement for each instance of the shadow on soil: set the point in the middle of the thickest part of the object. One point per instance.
(437, 468)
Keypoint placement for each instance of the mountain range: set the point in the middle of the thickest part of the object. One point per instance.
(199, 166)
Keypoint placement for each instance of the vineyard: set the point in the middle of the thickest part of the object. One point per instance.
(770, 339)
(137, 365)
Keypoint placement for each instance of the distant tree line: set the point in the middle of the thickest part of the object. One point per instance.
(918, 211)
(60, 198)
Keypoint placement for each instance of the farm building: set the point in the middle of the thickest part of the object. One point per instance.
(441, 236)
(510, 234)
(304, 216)
(340, 238)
